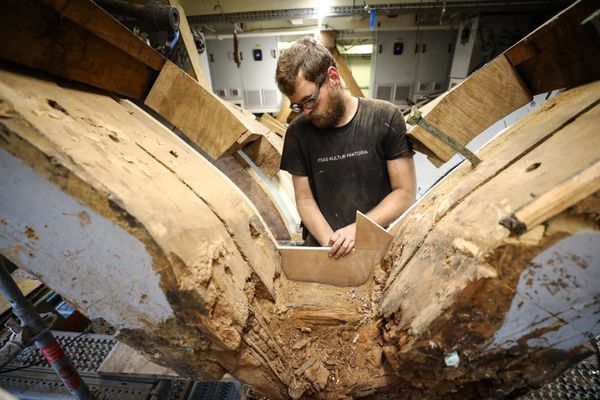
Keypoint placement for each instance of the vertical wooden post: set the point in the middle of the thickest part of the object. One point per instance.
(188, 40)
(327, 39)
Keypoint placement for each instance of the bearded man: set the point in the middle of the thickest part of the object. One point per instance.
(344, 153)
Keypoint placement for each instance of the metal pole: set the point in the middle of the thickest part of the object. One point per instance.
(45, 342)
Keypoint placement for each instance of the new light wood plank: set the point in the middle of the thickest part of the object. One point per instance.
(313, 264)
(284, 111)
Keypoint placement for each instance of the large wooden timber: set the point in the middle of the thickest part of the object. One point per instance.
(131, 225)
(559, 54)
(77, 40)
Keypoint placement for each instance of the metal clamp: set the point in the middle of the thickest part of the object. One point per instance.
(415, 118)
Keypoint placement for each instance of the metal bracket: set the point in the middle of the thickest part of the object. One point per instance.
(415, 118)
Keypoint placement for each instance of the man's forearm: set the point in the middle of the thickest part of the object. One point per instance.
(391, 207)
(313, 219)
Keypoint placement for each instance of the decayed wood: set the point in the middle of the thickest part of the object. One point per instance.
(212, 258)
(451, 258)
(207, 243)
(239, 172)
(190, 46)
(576, 188)
(212, 301)
(313, 264)
(470, 107)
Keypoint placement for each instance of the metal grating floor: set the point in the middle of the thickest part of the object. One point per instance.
(87, 352)
(582, 382)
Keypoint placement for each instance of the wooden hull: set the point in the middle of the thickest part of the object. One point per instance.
(130, 224)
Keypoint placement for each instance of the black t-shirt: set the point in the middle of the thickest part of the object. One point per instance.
(346, 166)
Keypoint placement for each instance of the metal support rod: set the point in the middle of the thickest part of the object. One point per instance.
(415, 118)
(38, 330)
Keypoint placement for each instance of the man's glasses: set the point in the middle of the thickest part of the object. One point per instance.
(309, 103)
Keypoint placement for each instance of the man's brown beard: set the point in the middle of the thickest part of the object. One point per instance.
(332, 116)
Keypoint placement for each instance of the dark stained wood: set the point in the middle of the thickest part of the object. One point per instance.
(94, 19)
(39, 37)
(565, 53)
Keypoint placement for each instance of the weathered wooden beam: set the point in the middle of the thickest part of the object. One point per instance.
(556, 55)
(458, 281)
(180, 244)
(239, 172)
(78, 40)
(462, 113)
(569, 192)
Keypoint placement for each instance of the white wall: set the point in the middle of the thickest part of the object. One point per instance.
(252, 85)
(416, 68)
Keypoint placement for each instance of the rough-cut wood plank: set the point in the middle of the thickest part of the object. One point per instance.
(576, 188)
(41, 38)
(559, 53)
(313, 264)
(266, 153)
(190, 46)
(273, 124)
(123, 360)
(470, 107)
(217, 127)
(556, 55)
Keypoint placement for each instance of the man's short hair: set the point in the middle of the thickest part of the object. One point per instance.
(307, 56)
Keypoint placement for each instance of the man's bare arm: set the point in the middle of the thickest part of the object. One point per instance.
(404, 183)
(404, 190)
(309, 211)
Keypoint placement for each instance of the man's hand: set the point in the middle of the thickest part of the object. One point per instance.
(342, 241)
